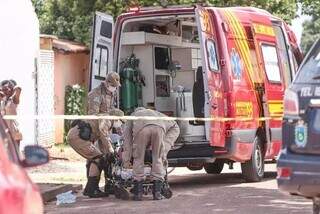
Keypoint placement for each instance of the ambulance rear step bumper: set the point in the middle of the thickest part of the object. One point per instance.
(191, 153)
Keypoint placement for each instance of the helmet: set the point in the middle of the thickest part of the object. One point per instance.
(113, 79)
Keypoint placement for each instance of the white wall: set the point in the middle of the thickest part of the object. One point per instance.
(19, 46)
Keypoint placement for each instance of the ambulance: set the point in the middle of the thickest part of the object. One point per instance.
(221, 71)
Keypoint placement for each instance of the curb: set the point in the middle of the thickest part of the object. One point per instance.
(49, 191)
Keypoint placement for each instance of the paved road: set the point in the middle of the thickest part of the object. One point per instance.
(197, 192)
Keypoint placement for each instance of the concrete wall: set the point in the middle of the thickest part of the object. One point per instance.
(69, 69)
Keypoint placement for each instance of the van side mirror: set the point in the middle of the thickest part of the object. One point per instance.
(34, 156)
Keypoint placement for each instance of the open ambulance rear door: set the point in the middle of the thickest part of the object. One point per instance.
(213, 84)
(101, 60)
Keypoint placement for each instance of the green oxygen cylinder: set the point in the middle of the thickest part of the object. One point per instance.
(128, 90)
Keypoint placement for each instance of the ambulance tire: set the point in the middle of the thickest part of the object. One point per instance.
(214, 168)
(253, 170)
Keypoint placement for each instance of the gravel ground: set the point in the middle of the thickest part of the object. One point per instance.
(194, 192)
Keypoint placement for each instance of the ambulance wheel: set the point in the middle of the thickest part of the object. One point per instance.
(214, 168)
(253, 170)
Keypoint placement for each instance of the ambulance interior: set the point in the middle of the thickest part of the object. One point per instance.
(169, 56)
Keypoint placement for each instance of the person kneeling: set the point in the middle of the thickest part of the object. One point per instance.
(82, 137)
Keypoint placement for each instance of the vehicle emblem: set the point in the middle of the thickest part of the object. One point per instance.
(236, 65)
(301, 135)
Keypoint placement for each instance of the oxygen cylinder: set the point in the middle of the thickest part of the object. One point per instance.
(128, 90)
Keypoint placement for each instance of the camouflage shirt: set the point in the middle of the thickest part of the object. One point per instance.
(100, 100)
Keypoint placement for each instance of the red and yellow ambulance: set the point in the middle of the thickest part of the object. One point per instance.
(221, 71)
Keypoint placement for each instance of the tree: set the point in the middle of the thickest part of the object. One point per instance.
(311, 32)
(310, 7)
(311, 28)
(71, 19)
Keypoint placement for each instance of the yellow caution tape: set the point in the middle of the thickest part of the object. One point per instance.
(108, 117)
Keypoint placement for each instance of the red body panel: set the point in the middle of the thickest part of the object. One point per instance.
(18, 195)
(214, 85)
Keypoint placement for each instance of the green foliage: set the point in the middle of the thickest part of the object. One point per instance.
(310, 34)
(310, 7)
(72, 19)
(311, 28)
(74, 104)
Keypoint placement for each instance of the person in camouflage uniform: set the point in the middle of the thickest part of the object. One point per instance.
(90, 139)
(160, 136)
(101, 98)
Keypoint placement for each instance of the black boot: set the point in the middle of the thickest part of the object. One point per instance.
(92, 188)
(138, 190)
(109, 186)
(157, 185)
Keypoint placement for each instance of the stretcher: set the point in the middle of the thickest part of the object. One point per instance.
(121, 180)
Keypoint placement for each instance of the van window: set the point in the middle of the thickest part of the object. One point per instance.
(106, 29)
(212, 55)
(310, 69)
(162, 58)
(101, 65)
(271, 63)
(283, 52)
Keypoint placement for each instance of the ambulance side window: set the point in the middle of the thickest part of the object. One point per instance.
(271, 63)
(212, 55)
(102, 62)
(283, 51)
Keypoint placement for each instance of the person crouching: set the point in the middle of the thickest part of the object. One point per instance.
(82, 137)
(140, 134)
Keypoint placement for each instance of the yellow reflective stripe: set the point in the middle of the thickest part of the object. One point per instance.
(275, 107)
(263, 29)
